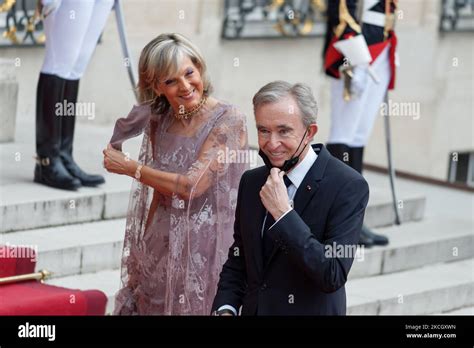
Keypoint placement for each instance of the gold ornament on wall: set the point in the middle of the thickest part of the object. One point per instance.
(23, 23)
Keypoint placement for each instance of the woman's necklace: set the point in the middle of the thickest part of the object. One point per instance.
(193, 111)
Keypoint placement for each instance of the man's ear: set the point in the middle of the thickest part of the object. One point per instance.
(312, 130)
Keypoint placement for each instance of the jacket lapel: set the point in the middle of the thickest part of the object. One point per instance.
(310, 184)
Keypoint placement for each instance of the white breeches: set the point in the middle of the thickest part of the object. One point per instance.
(72, 31)
(352, 121)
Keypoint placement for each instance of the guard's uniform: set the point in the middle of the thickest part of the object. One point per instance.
(352, 120)
(72, 29)
(360, 58)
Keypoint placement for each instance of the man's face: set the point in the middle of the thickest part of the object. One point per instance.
(280, 130)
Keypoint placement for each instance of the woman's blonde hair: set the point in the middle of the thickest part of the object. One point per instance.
(160, 59)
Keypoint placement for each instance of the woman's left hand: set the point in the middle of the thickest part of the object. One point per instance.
(116, 162)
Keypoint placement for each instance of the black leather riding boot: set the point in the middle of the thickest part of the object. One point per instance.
(356, 155)
(49, 169)
(340, 151)
(71, 91)
(356, 160)
(344, 153)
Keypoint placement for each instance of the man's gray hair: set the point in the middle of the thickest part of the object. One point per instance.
(278, 90)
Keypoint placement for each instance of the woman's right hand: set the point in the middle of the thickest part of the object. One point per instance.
(116, 162)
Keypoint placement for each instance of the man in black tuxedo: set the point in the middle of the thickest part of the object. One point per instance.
(296, 225)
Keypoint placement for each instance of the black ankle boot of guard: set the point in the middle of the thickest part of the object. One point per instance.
(71, 90)
(85, 179)
(365, 239)
(377, 239)
(50, 171)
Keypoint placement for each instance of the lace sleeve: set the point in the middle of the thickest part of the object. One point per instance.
(226, 145)
(131, 126)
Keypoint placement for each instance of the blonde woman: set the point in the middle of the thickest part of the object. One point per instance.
(180, 218)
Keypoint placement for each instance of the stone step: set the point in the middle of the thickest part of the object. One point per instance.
(417, 244)
(46, 207)
(90, 247)
(74, 249)
(26, 205)
(437, 288)
(380, 212)
(107, 281)
(461, 311)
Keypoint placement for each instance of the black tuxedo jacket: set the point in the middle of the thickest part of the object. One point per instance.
(302, 276)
